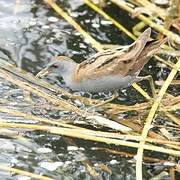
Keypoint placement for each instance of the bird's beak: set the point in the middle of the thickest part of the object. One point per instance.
(42, 73)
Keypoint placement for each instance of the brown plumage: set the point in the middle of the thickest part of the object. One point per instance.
(107, 70)
(113, 61)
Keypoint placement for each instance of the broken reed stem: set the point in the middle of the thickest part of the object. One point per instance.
(150, 118)
(106, 16)
(89, 136)
(71, 21)
(172, 118)
(24, 173)
(35, 118)
(152, 7)
(131, 155)
(168, 63)
(88, 131)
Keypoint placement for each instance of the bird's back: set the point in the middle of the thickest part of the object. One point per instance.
(113, 61)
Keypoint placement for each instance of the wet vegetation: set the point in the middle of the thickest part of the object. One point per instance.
(50, 132)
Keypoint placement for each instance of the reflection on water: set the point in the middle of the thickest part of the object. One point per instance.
(31, 34)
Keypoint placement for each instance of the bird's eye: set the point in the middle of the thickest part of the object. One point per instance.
(55, 65)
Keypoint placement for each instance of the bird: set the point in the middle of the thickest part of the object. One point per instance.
(108, 70)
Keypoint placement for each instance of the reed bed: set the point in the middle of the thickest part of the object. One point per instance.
(135, 132)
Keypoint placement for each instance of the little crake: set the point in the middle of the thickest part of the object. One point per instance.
(108, 70)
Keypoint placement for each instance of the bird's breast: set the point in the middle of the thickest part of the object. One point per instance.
(103, 84)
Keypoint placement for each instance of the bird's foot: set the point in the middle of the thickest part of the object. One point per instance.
(92, 109)
(151, 82)
(114, 96)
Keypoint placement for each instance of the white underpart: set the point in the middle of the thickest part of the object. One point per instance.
(107, 83)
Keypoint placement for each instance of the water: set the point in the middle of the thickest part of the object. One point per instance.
(31, 34)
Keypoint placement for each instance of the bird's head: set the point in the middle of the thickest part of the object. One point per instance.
(59, 66)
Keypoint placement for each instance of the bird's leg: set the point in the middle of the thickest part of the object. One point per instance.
(114, 96)
(150, 80)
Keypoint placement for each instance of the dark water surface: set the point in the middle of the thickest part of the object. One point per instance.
(31, 34)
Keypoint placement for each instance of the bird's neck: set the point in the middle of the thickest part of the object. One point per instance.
(69, 73)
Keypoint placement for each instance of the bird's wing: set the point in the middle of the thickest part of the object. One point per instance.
(113, 61)
(150, 49)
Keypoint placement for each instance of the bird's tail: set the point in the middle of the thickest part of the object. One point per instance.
(150, 49)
